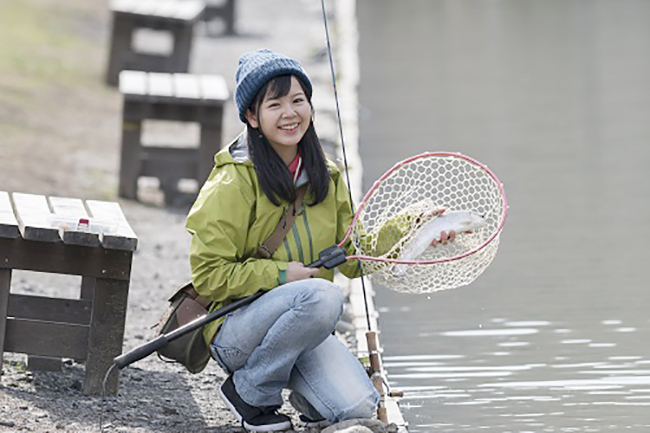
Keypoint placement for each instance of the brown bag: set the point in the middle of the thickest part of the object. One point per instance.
(185, 305)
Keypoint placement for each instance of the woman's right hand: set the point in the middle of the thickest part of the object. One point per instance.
(297, 271)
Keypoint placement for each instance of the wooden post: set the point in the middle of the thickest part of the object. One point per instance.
(228, 14)
(376, 374)
(179, 61)
(120, 50)
(130, 160)
(210, 144)
(106, 334)
(5, 285)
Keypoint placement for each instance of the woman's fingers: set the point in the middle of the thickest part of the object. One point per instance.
(444, 238)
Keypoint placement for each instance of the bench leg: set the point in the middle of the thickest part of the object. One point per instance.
(210, 144)
(87, 287)
(229, 16)
(120, 50)
(106, 335)
(5, 285)
(130, 160)
(179, 60)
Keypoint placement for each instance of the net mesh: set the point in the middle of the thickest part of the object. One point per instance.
(404, 199)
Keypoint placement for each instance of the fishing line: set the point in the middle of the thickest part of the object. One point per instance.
(345, 157)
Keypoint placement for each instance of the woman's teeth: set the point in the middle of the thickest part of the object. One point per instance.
(289, 127)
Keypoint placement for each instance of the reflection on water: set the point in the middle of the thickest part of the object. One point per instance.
(554, 96)
(591, 387)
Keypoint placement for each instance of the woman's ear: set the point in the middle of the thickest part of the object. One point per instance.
(252, 119)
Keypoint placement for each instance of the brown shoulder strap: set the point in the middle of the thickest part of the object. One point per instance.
(284, 225)
(264, 252)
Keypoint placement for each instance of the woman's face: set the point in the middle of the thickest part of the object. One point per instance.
(283, 120)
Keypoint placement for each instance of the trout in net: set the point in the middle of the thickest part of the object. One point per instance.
(458, 221)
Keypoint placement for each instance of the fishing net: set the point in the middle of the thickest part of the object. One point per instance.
(404, 199)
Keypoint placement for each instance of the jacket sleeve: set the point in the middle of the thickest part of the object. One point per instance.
(218, 223)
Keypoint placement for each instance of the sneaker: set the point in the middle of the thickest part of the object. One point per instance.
(313, 423)
(252, 418)
(309, 416)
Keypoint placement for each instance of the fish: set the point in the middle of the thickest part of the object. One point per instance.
(458, 221)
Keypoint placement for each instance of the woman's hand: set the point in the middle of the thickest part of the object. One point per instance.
(297, 271)
(444, 238)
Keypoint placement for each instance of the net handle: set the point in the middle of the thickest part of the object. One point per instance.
(378, 182)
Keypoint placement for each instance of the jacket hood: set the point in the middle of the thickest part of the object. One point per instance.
(235, 153)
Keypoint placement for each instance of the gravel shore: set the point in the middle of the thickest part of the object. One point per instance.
(81, 160)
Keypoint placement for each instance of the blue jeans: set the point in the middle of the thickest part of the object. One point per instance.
(284, 340)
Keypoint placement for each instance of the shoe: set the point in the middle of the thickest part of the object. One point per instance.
(309, 416)
(313, 423)
(252, 418)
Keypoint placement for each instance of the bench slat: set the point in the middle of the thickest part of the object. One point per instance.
(50, 309)
(124, 238)
(73, 209)
(164, 8)
(213, 87)
(133, 83)
(145, 7)
(160, 84)
(8, 223)
(190, 10)
(186, 86)
(32, 213)
(122, 5)
(42, 338)
(171, 10)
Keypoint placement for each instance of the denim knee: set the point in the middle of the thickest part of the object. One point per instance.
(323, 301)
(366, 408)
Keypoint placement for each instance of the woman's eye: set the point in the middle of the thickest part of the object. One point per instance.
(298, 100)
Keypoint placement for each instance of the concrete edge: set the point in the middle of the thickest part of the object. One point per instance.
(347, 70)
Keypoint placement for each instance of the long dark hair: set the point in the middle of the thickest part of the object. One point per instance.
(272, 172)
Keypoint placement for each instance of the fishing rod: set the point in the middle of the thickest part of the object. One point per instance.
(328, 258)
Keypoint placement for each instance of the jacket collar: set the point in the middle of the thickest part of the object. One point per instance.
(239, 152)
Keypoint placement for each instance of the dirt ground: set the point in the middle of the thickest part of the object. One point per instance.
(60, 136)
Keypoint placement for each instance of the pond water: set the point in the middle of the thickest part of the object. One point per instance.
(554, 96)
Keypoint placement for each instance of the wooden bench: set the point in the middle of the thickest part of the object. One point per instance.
(89, 329)
(175, 16)
(175, 97)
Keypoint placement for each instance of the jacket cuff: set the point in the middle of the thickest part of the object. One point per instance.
(282, 272)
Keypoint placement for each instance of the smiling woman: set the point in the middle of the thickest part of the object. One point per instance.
(283, 339)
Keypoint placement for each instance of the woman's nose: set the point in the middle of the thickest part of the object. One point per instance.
(288, 110)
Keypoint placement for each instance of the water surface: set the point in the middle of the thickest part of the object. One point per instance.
(554, 96)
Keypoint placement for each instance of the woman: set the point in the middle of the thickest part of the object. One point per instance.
(283, 339)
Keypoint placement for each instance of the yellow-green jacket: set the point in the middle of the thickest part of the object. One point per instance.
(232, 218)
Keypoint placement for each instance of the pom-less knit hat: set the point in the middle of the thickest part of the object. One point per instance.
(256, 68)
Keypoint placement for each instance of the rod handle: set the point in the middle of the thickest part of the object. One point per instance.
(140, 352)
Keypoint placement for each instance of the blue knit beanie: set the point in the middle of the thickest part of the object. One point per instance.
(256, 68)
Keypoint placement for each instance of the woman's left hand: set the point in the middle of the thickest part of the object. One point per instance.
(444, 238)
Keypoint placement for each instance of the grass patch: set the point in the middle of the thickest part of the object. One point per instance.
(42, 45)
